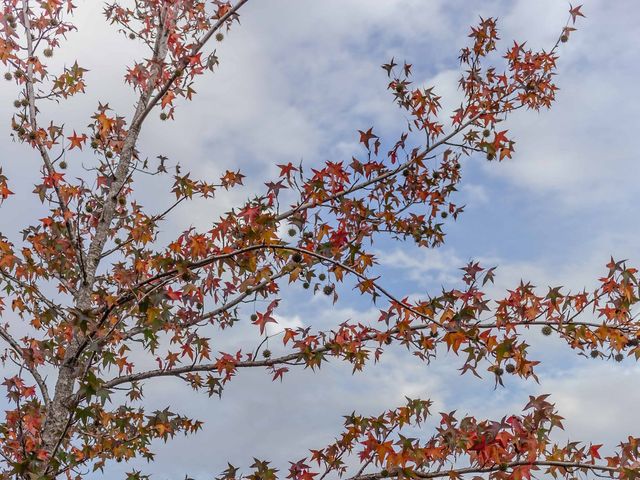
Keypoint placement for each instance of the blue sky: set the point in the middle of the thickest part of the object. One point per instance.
(296, 80)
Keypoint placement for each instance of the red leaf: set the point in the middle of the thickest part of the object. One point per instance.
(77, 140)
(575, 12)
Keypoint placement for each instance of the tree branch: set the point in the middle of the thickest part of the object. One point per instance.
(15, 346)
(214, 258)
(29, 288)
(494, 468)
(31, 98)
(194, 50)
(217, 311)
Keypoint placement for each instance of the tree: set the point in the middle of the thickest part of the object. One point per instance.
(89, 285)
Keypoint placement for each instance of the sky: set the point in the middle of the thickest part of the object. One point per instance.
(296, 80)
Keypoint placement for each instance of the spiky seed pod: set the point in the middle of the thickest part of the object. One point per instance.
(16, 103)
(547, 330)
(322, 277)
(266, 353)
(595, 354)
(292, 232)
(132, 36)
(109, 154)
(328, 289)
(486, 132)
(305, 285)
(498, 371)
(48, 52)
(8, 76)
(297, 257)
(618, 357)
(564, 38)
(63, 165)
(94, 144)
(510, 368)
(219, 36)
(163, 116)
(122, 200)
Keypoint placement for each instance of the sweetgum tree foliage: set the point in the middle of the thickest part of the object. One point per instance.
(118, 291)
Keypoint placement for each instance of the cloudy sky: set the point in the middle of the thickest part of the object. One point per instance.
(296, 80)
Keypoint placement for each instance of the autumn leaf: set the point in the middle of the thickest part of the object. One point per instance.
(575, 13)
(77, 140)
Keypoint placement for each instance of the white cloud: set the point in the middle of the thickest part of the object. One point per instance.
(285, 321)
(599, 401)
(475, 194)
(424, 266)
